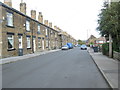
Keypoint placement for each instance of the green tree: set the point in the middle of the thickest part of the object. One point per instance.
(81, 42)
(109, 22)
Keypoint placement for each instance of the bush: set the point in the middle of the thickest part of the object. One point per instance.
(116, 47)
(105, 49)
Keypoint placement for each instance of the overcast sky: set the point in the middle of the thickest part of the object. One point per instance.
(77, 17)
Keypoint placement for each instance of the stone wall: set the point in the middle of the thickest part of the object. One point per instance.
(1, 20)
(19, 29)
(116, 55)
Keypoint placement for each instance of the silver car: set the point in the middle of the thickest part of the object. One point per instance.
(83, 47)
(65, 47)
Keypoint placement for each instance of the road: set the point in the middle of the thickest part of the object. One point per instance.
(63, 69)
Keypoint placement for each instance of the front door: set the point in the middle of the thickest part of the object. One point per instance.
(20, 41)
(34, 45)
(43, 46)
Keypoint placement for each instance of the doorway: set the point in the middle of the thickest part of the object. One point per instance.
(34, 45)
(43, 45)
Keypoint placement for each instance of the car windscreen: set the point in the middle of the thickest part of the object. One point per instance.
(65, 46)
(83, 46)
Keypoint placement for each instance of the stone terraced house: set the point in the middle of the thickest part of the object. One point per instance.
(20, 33)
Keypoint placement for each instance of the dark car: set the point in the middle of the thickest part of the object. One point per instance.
(83, 47)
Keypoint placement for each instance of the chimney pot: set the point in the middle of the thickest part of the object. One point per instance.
(40, 17)
(8, 2)
(46, 22)
(23, 7)
(50, 24)
(55, 27)
(40, 13)
(33, 14)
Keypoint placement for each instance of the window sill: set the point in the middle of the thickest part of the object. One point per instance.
(27, 31)
(28, 48)
(11, 49)
(10, 26)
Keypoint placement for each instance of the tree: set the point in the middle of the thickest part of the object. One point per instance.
(81, 42)
(109, 22)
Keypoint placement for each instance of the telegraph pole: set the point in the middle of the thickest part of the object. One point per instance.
(87, 37)
(110, 37)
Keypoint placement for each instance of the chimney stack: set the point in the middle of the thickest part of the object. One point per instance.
(40, 17)
(23, 7)
(55, 27)
(46, 22)
(33, 14)
(8, 2)
(58, 29)
(50, 24)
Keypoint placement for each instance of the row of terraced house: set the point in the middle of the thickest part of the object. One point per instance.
(19, 31)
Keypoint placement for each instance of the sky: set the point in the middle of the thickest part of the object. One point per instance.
(77, 17)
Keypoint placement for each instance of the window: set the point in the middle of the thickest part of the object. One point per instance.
(56, 35)
(51, 31)
(10, 41)
(27, 25)
(47, 43)
(38, 28)
(39, 43)
(20, 41)
(28, 42)
(9, 19)
(101, 41)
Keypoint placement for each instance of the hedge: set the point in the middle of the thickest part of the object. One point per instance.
(105, 49)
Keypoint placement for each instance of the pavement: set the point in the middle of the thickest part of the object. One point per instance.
(108, 67)
(17, 58)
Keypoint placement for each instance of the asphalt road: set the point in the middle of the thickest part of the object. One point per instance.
(63, 69)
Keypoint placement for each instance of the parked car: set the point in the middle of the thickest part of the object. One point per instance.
(78, 45)
(70, 45)
(65, 47)
(83, 47)
(75, 45)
